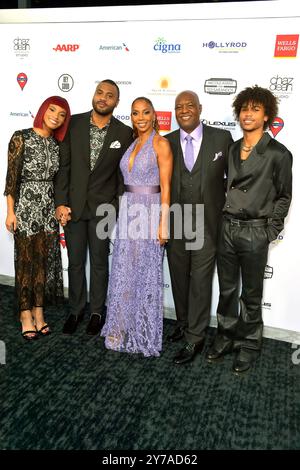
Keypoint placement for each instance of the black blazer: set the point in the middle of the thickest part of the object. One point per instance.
(261, 187)
(75, 183)
(212, 158)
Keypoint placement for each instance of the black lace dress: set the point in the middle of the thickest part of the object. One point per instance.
(33, 162)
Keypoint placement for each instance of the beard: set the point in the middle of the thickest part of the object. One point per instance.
(103, 111)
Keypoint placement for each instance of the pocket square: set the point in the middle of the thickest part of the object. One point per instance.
(218, 155)
(115, 145)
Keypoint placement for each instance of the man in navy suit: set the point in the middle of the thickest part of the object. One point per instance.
(89, 176)
(200, 163)
(259, 194)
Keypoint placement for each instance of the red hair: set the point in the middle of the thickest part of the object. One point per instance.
(59, 133)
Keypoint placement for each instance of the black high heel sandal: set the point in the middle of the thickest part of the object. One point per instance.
(27, 335)
(41, 331)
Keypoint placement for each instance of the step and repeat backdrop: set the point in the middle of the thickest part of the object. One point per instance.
(150, 51)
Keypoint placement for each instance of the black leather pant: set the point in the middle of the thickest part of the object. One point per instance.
(242, 257)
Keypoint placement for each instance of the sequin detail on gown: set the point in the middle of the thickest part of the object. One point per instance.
(134, 319)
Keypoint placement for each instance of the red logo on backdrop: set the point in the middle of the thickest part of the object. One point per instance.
(164, 120)
(22, 79)
(62, 240)
(66, 47)
(276, 126)
(286, 45)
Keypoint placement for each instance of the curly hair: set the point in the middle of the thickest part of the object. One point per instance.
(155, 122)
(257, 95)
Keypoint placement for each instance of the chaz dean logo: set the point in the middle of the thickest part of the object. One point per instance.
(66, 47)
(284, 84)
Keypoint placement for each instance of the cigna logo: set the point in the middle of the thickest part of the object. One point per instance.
(161, 45)
(66, 48)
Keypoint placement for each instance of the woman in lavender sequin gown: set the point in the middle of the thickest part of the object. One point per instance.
(134, 319)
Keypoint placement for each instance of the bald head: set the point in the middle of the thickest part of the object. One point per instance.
(188, 110)
(187, 94)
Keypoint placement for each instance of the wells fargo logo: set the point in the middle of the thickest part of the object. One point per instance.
(164, 120)
(286, 45)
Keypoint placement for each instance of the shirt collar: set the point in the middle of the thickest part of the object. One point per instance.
(196, 134)
(102, 128)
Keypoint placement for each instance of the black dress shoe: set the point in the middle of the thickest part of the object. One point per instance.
(188, 353)
(176, 335)
(72, 323)
(94, 325)
(215, 354)
(244, 361)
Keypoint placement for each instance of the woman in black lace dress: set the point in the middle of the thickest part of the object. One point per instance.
(33, 161)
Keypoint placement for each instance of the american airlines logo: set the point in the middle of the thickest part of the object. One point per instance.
(66, 47)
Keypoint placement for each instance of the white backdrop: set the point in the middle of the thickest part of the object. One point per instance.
(158, 51)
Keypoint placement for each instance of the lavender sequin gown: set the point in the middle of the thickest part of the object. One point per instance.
(135, 301)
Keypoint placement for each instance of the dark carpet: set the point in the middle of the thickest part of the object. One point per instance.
(70, 393)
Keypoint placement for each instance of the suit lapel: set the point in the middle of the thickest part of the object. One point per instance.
(178, 158)
(234, 158)
(85, 137)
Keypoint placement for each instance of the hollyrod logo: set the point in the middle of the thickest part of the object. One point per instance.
(286, 45)
(230, 46)
(164, 120)
(66, 47)
(122, 117)
(162, 46)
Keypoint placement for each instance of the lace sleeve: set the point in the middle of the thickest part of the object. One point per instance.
(15, 151)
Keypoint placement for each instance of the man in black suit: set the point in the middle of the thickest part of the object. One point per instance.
(88, 177)
(200, 161)
(258, 198)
